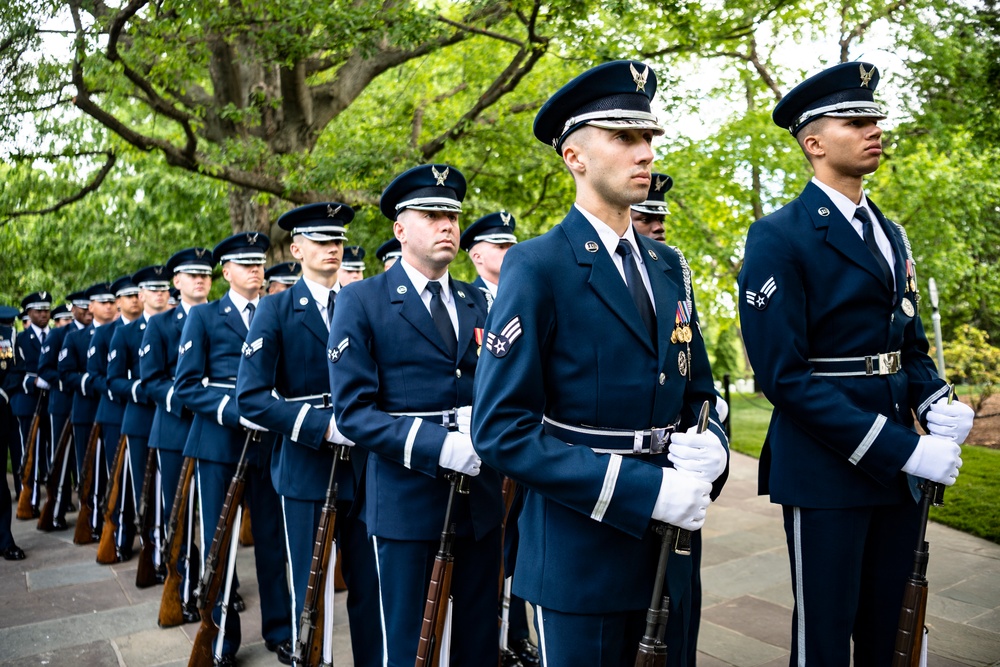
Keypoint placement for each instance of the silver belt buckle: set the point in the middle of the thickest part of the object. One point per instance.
(888, 363)
(450, 419)
(659, 438)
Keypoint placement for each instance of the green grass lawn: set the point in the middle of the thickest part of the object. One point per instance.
(970, 505)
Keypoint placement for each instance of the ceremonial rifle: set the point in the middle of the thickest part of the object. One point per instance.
(652, 647)
(171, 605)
(213, 578)
(145, 573)
(84, 532)
(107, 548)
(910, 632)
(54, 485)
(309, 645)
(433, 626)
(246, 529)
(26, 501)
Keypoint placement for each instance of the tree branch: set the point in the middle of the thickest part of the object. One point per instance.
(77, 196)
(862, 27)
(480, 31)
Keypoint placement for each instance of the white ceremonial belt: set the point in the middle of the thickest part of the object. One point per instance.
(446, 418)
(612, 440)
(883, 363)
(222, 383)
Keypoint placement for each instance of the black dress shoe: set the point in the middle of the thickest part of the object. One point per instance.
(35, 512)
(237, 603)
(70, 507)
(190, 614)
(59, 524)
(227, 660)
(13, 553)
(509, 659)
(527, 652)
(282, 649)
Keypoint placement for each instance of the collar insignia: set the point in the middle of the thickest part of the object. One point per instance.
(440, 176)
(639, 78)
(866, 76)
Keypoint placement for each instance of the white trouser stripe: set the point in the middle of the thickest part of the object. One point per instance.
(201, 515)
(799, 597)
(222, 406)
(298, 421)
(411, 437)
(381, 605)
(291, 575)
(539, 615)
(869, 439)
(608, 489)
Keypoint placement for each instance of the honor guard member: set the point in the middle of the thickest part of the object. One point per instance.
(647, 216)
(284, 386)
(191, 271)
(209, 355)
(352, 269)
(388, 253)
(403, 351)
(831, 326)
(487, 240)
(125, 383)
(593, 364)
(73, 373)
(9, 436)
(26, 390)
(174, 298)
(282, 276)
(60, 316)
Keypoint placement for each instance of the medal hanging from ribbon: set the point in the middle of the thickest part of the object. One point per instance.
(478, 333)
(682, 334)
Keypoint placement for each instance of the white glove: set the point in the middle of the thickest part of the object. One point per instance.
(334, 435)
(699, 454)
(683, 500)
(42, 384)
(250, 425)
(950, 421)
(458, 454)
(464, 418)
(936, 459)
(722, 408)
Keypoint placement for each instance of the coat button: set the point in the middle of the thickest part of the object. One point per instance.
(892, 318)
(897, 407)
(458, 372)
(663, 378)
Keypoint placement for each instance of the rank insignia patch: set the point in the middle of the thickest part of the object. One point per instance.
(499, 344)
(335, 353)
(62, 354)
(250, 348)
(143, 351)
(185, 347)
(760, 299)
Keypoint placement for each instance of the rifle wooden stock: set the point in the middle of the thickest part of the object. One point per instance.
(171, 605)
(107, 550)
(84, 533)
(53, 487)
(24, 500)
(246, 532)
(309, 644)
(439, 589)
(145, 573)
(202, 653)
(912, 613)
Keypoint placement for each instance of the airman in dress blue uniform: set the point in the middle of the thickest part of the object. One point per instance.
(389, 252)
(210, 351)
(403, 351)
(648, 216)
(9, 436)
(125, 383)
(61, 315)
(283, 385)
(593, 363)
(487, 240)
(352, 269)
(26, 391)
(191, 271)
(282, 276)
(829, 314)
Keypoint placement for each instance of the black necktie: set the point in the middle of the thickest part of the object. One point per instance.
(330, 299)
(868, 228)
(441, 318)
(633, 279)
(41, 338)
(250, 311)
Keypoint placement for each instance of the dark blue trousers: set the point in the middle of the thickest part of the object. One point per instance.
(138, 450)
(81, 438)
(41, 449)
(357, 564)
(849, 567)
(111, 436)
(404, 569)
(9, 441)
(269, 541)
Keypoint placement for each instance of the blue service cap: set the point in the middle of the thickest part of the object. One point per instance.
(61, 312)
(154, 278)
(198, 261)
(105, 293)
(846, 90)
(37, 301)
(8, 314)
(612, 96)
(175, 296)
(286, 273)
(120, 287)
(659, 185)
(429, 187)
(243, 248)
(318, 222)
(354, 258)
(78, 299)
(391, 249)
(493, 228)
